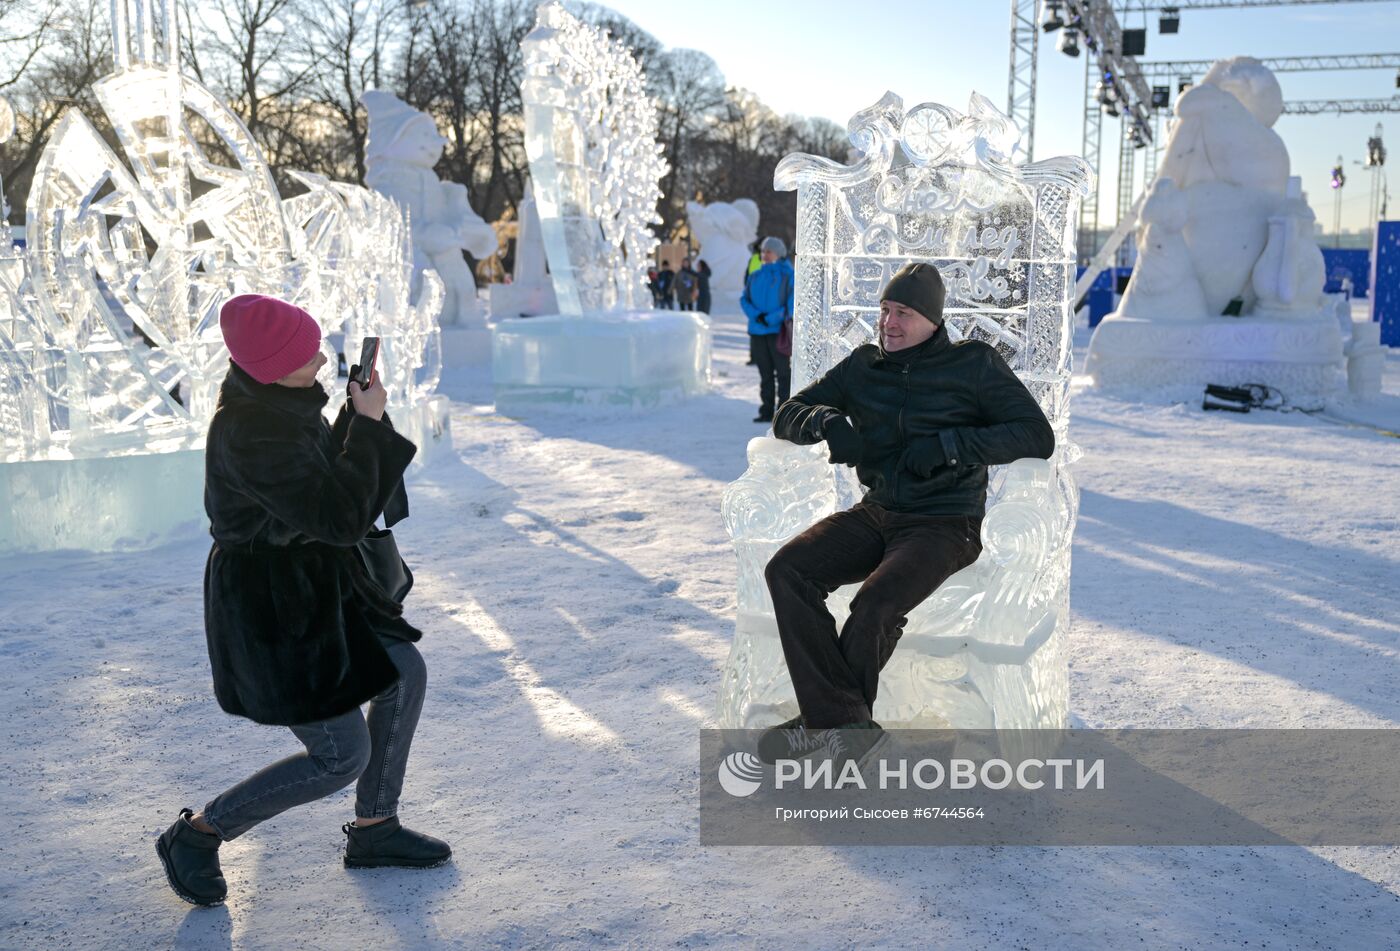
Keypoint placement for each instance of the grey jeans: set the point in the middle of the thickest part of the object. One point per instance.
(372, 749)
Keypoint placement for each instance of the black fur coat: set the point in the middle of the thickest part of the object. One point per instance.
(291, 618)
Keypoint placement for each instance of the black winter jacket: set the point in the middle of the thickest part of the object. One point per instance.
(291, 619)
(962, 395)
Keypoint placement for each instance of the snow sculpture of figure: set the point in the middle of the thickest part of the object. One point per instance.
(110, 350)
(725, 232)
(1157, 291)
(402, 149)
(1225, 230)
(530, 290)
(590, 135)
(935, 186)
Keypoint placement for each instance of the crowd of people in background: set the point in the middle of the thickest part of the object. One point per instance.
(766, 301)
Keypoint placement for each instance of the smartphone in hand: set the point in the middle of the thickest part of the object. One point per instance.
(363, 372)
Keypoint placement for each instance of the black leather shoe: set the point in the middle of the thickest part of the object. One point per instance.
(388, 844)
(789, 740)
(761, 418)
(191, 860)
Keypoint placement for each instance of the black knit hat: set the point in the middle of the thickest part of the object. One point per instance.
(919, 286)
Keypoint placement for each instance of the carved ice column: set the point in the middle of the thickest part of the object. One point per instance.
(590, 135)
(530, 290)
(933, 185)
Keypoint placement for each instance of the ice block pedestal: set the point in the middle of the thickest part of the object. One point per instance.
(428, 426)
(1302, 358)
(634, 359)
(466, 346)
(105, 503)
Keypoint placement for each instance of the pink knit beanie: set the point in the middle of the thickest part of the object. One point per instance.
(267, 337)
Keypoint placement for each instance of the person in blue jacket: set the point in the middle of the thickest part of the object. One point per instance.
(767, 302)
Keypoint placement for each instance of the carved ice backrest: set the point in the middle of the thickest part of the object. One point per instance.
(590, 136)
(936, 186)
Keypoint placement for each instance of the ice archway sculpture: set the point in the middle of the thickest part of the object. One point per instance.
(933, 185)
(590, 136)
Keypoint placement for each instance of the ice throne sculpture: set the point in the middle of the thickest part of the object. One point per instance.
(590, 136)
(110, 352)
(986, 650)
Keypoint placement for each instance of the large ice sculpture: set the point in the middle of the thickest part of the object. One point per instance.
(110, 352)
(402, 148)
(590, 135)
(530, 290)
(725, 231)
(1224, 227)
(933, 185)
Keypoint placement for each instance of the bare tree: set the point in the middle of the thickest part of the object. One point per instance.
(346, 46)
(690, 93)
(245, 50)
(54, 72)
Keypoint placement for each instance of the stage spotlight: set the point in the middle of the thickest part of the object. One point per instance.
(1161, 97)
(1183, 84)
(1050, 17)
(1169, 21)
(1068, 43)
(1339, 177)
(1134, 42)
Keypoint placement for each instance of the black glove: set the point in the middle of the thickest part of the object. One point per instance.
(762, 319)
(923, 455)
(843, 441)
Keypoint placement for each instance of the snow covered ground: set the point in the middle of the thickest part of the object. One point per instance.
(576, 588)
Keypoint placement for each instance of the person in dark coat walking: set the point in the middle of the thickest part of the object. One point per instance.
(299, 635)
(665, 284)
(687, 286)
(920, 418)
(767, 302)
(703, 272)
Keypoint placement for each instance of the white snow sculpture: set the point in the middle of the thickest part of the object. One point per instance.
(402, 148)
(590, 135)
(110, 351)
(530, 290)
(725, 231)
(1224, 223)
(987, 648)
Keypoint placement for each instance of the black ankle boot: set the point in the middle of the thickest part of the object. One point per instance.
(191, 860)
(388, 844)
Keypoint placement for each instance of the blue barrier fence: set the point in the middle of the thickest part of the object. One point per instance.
(1385, 281)
(1353, 263)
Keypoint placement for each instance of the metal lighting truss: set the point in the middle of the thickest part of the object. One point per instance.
(1020, 93)
(1173, 69)
(1134, 6)
(1312, 107)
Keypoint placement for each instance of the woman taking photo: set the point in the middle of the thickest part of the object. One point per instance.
(299, 634)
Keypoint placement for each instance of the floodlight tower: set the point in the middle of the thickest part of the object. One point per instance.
(1375, 161)
(1339, 179)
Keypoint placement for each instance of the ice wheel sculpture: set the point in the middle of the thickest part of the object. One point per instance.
(986, 650)
(110, 352)
(139, 249)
